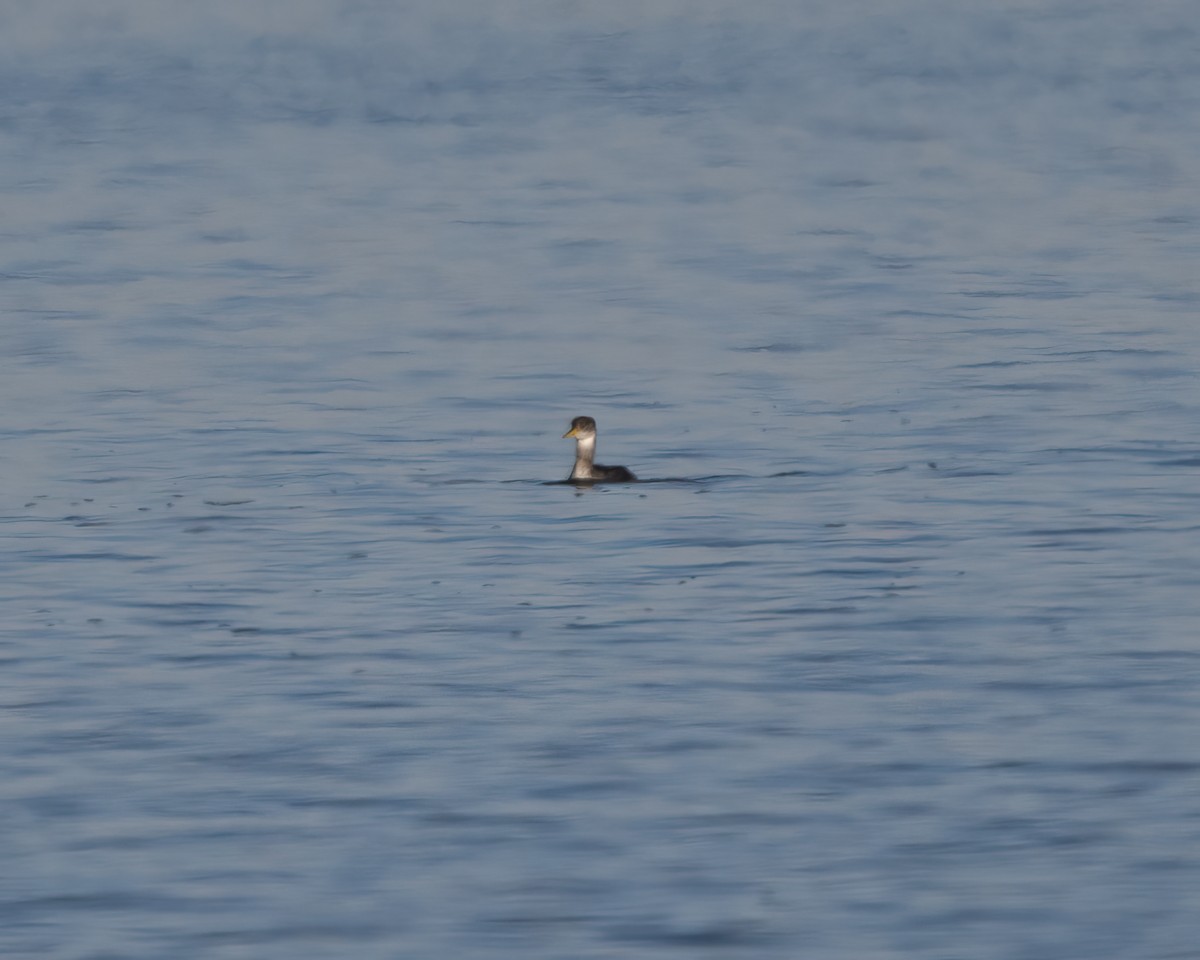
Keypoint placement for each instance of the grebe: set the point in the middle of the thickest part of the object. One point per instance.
(583, 429)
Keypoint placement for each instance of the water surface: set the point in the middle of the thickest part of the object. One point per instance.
(303, 656)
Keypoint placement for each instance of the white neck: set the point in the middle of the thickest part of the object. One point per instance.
(585, 453)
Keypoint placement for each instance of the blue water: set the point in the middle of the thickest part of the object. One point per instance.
(301, 657)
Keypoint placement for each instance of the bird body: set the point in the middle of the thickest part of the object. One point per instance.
(586, 470)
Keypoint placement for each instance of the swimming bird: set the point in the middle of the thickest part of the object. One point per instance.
(583, 429)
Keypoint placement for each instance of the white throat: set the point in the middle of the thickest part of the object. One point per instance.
(585, 453)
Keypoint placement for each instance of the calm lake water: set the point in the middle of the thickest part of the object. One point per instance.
(302, 657)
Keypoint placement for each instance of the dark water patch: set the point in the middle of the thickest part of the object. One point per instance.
(1044, 386)
(1048, 291)
(1154, 654)
(240, 265)
(960, 474)
(592, 788)
(580, 623)
(121, 737)
(1113, 351)
(1187, 297)
(697, 568)
(943, 625)
(1103, 768)
(772, 348)
(110, 277)
(404, 805)
(41, 272)
(886, 560)
(720, 543)
(102, 480)
(57, 703)
(1071, 546)
(161, 170)
(845, 654)
(828, 232)
(994, 363)
(299, 452)
(850, 184)
(1073, 531)
(243, 656)
(112, 901)
(540, 920)
(501, 822)
(1181, 462)
(813, 611)
(189, 623)
(301, 936)
(1146, 449)
(463, 481)
(1041, 687)
(652, 934)
(196, 606)
(106, 555)
(505, 224)
(205, 521)
(94, 226)
(856, 572)
(223, 237)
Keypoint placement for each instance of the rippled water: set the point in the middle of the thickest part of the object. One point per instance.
(304, 657)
